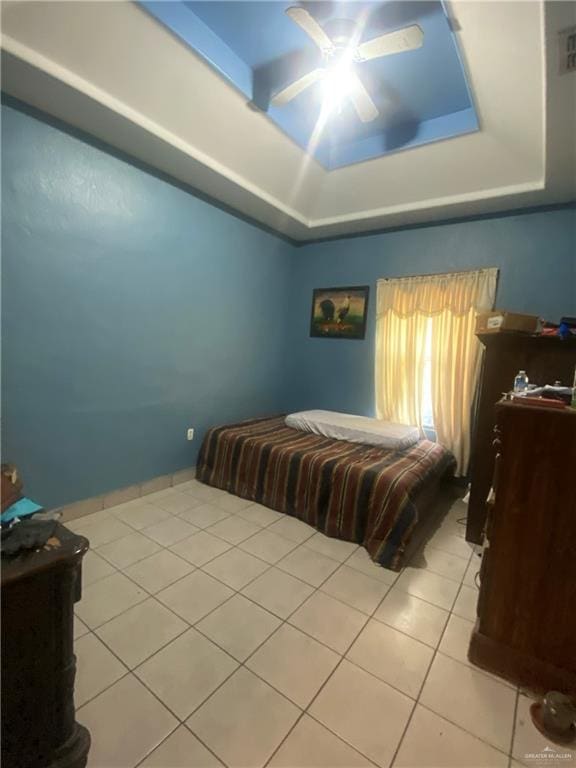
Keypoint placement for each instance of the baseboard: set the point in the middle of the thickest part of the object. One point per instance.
(122, 495)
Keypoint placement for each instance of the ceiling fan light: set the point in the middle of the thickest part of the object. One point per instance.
(336, 85)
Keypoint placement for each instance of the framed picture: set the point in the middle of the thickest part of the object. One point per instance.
(339, 313)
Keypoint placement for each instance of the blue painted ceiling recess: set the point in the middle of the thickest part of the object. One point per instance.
(420, 95)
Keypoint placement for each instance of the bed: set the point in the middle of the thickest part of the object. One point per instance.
(370, 495)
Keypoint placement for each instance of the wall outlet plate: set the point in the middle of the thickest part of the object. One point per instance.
(190, 434)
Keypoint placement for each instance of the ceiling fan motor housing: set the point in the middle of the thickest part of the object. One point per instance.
(341, 31)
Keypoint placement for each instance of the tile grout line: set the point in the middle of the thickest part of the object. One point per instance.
(235, 592)
(306, 710)
(270, 566)
(302, 543)
(283, 621)
(513, 735)
(417, 701)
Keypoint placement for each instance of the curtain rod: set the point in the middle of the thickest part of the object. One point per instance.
(437, 274)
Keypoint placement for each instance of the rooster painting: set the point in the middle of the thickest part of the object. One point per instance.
(344, 309)
(339, 313)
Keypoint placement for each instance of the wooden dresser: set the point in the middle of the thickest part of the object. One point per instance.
(545, 359)
(39, 589)
(526, 626)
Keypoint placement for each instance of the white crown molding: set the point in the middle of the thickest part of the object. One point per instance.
(517, 160)
(79, 84)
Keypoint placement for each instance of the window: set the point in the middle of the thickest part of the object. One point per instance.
(427, 355)
(426, 406)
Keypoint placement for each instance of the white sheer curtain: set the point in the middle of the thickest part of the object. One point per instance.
(405, 309)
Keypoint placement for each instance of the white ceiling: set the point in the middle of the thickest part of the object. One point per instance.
(109, 69)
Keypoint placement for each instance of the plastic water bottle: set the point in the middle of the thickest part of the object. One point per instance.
(520, 383)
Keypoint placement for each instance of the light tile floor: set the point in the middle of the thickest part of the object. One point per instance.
(216, 632)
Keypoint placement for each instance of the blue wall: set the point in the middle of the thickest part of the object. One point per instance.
(131, 310)
(536, 254)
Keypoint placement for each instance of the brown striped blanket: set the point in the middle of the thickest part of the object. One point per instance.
(350, 491)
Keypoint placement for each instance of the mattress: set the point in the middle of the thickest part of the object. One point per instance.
(355, 429)
(361, 493)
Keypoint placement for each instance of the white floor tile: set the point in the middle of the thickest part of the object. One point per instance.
(94, 568)
(466, 602)
(173, 501)
(429, 586)
(259, 514)
(310, 745)
(204, 516)
(278, 592)
(200, 548)
(337, 549)
(80, 628)
(239, 626)
(160, 495)
(194, 596)
(236, 568)
(170, 531)
(360, 560)
(530, 744)
(456, 639)
(181, 750)
(108, 598)
(444, 563)
(234, 529)
(102, 530)
(141, 631)
(294, 664)
(123, 552)
(96, 668)
(231, 503)
(79, 523)
(201, 491)
(244, 721)
(268, 546)
(448, 542)
(355, 589)
(451, 526)
(186, 672)
(140, 514)
(365, 712)
(293, 529)
(413, 616)
(329, 621)
(126, 723)
(432, 742)
(471, 700)
(392, 656)
(308, 565)
(158, 571)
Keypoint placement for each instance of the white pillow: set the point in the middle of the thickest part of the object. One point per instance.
(355, 429)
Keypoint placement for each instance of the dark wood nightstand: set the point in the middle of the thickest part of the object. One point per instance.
(39, 590)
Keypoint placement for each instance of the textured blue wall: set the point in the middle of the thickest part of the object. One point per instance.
(131, 310)
(536, 254)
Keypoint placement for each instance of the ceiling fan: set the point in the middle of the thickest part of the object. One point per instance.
(341, 52)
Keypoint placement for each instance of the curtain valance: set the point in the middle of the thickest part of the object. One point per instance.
(456, 292)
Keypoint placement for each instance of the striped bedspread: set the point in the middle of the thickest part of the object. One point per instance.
(359, 493)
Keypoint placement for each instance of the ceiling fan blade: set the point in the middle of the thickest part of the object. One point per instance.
(309, 24)
(406, 39)
(295, 88)
(362, 101)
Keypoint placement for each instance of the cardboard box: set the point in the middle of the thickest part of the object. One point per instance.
(499, 320)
